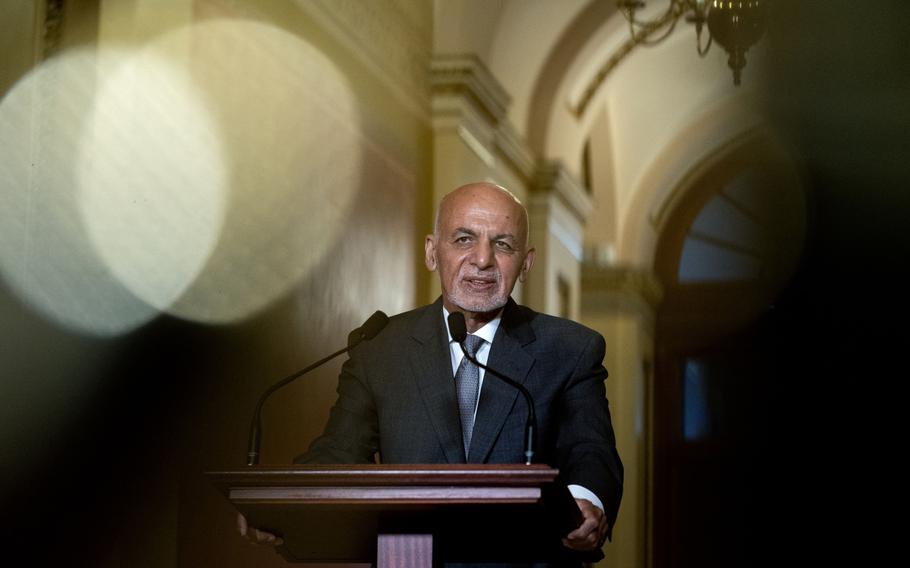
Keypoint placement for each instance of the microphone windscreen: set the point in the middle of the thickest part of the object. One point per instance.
(373, 325)
(457, 326)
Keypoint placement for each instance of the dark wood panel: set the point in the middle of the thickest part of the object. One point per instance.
(336, 513)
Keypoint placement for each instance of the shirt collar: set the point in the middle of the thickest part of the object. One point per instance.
(487, 332)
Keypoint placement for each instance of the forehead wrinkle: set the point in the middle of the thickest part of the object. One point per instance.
(513, 210)
(472, 232)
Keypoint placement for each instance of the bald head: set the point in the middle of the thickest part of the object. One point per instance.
(489, 194)
(479, 246)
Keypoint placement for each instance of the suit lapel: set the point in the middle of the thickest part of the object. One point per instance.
(508, 356)
(432, 365)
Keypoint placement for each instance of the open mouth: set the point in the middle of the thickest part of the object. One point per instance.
(480, 284)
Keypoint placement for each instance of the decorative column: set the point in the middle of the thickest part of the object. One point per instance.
(559, 207)
(620, 303)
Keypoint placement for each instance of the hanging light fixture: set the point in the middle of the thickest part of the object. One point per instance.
(735, 24)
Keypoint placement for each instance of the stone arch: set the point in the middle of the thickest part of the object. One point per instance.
(697, 147)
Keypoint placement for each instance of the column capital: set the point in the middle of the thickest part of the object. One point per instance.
(619, 288)
(552, 178)
(468, 99)
(466, 75)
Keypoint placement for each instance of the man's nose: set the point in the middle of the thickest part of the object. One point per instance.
(483, 255)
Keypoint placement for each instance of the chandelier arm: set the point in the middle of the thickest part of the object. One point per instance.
(672, 11)
(738, 28)
(644, 38)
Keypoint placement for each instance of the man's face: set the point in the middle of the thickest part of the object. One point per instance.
(480, 249)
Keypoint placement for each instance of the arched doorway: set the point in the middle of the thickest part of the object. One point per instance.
(730, 243)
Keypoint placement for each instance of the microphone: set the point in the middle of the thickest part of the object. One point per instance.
(368, 330)
(459, 331)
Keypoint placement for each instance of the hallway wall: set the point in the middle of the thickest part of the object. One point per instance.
(219, 192)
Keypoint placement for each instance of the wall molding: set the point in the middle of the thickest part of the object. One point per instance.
(466, 75)
(516, 151)
(466, 94)
(553, 178)
(620, 288)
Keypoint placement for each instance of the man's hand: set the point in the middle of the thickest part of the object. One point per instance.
(255, 535)
(593, 530)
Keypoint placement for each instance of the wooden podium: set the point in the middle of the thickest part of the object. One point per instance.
(408, 516)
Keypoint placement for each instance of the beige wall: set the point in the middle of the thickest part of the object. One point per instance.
(280, 155)
(600, 231)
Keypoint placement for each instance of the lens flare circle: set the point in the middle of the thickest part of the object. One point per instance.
(151, 177)
(204, 174)
(45, 256)
(290, 131)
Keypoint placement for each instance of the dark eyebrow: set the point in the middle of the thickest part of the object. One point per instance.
(464, 230)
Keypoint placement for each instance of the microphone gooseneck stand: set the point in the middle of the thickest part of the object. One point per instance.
(368, 330)
(458, 329)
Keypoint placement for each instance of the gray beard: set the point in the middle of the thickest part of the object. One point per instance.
(491, 305)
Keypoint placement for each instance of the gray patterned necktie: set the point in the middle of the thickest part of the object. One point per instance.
(467, 384)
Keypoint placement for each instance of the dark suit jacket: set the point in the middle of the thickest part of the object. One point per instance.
(396, 397)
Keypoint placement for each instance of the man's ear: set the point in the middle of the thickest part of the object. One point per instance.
(429, 247)
(526, 265)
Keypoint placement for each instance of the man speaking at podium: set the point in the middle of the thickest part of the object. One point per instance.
(397, 397)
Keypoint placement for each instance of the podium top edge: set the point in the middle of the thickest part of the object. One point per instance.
(386, 474)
